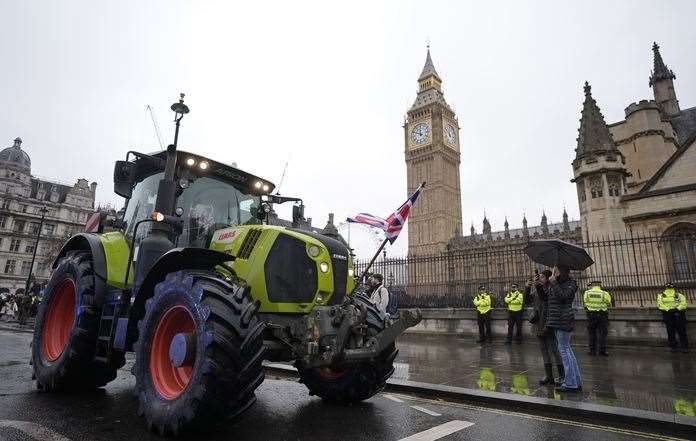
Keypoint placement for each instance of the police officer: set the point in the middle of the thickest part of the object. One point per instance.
(597, 302)
(514, 300)
(482, 302)
(673, 307)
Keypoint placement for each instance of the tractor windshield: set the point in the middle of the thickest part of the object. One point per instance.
(207, 204)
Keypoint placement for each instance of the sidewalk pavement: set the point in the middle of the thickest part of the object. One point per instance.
(647, 379)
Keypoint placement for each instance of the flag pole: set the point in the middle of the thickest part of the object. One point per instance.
(367, 268)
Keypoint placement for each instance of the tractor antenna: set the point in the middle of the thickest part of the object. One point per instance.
(156, 126)
(282, 177)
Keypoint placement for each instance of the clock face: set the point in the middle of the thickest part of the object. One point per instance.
(450, 134)
(420, 133)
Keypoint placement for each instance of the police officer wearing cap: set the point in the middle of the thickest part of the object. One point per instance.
(673, 307)
(482, 302)
(597, 302)
(514, 301)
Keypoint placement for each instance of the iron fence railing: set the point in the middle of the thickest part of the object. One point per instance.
(634, 268)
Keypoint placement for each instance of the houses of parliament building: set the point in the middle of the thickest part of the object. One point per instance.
(634, 176)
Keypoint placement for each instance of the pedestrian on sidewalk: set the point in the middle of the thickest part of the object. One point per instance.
(514, 301)
(536, 290)
(380, 294)
(9, 310)
(561, 319)
(597, 302)
(673, 306)
(482, 302)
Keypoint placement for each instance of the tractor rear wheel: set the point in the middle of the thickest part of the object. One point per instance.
(66, 330)
(199, 353)
(354, 382)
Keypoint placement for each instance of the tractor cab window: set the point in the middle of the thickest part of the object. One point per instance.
(207, 205)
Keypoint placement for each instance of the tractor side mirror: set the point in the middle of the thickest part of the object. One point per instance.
(297, 213)
(124, 178)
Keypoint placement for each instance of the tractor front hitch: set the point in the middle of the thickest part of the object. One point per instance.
(375, 345)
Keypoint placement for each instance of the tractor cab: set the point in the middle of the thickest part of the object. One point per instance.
(209, 196)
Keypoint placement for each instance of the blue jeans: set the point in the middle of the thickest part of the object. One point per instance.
(570, 363)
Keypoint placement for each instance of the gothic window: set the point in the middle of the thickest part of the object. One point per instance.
(49, 229)
(3, 221)
(596, 187)
(6, 204)
(614, 186)
(682, 248)
(29, 248)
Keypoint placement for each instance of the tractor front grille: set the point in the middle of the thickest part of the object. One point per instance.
(249, 243)
(291, 276)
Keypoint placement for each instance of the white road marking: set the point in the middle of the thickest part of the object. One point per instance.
(393, 398)
(424, 410)
(36, 431)
(440, 431)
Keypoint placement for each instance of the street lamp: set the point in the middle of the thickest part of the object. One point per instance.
(43, 212)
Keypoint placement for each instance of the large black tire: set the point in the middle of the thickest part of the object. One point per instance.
(223, 370)
(355, 382)
(66, 330)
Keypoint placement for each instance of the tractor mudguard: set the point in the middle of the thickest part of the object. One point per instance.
(89, 242)
(170, 262)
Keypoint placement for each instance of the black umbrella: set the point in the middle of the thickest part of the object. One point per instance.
(554, 252)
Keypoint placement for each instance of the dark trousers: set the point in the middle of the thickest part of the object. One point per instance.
(675, 322)
(484, 325)
(597, 328)
(515, 324)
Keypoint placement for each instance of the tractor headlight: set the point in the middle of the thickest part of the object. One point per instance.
(324, 267)
(203, 165)
(266, 187)
(351, 273)
(313, 251)
(258, 184)
(190, 162)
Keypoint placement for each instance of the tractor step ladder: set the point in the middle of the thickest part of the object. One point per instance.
(107, 326)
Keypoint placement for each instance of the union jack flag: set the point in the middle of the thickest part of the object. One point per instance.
(395, 222)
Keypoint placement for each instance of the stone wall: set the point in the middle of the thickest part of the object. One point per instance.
(627, 327)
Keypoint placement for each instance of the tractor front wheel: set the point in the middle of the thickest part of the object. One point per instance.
(355, 382)
(199, 353)
(66, 330)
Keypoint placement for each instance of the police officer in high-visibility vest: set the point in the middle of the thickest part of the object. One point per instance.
(514, 301)
(673, 307)
(482, 302)
(597, 302)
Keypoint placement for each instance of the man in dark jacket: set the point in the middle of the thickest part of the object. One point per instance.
(561, 318)
(546, 337)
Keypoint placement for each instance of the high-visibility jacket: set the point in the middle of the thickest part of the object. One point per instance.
(514, 301)
(482, 302)
(596, 299)
(670, 299)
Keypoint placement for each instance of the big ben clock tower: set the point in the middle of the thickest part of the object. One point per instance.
(431, 137)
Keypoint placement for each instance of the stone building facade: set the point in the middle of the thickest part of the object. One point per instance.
(22, 198)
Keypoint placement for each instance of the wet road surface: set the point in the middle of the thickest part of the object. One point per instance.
(649, 379)
(284, 411)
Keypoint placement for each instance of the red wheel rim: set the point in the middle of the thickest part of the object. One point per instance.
(59, 320)
(329, 373)
(170, 381)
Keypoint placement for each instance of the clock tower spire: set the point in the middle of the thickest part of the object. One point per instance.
(431, 138)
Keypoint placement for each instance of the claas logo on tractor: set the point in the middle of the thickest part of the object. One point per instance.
(192, 278)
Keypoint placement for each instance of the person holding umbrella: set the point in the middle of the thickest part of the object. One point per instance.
(482, 302)
(561, 290)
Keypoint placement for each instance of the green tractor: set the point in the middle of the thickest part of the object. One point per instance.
(194, 282)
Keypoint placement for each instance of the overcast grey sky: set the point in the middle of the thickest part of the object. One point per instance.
(326, 85)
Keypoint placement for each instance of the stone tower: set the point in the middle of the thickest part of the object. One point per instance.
(431, 147)
(661, 81)
(599, 173)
